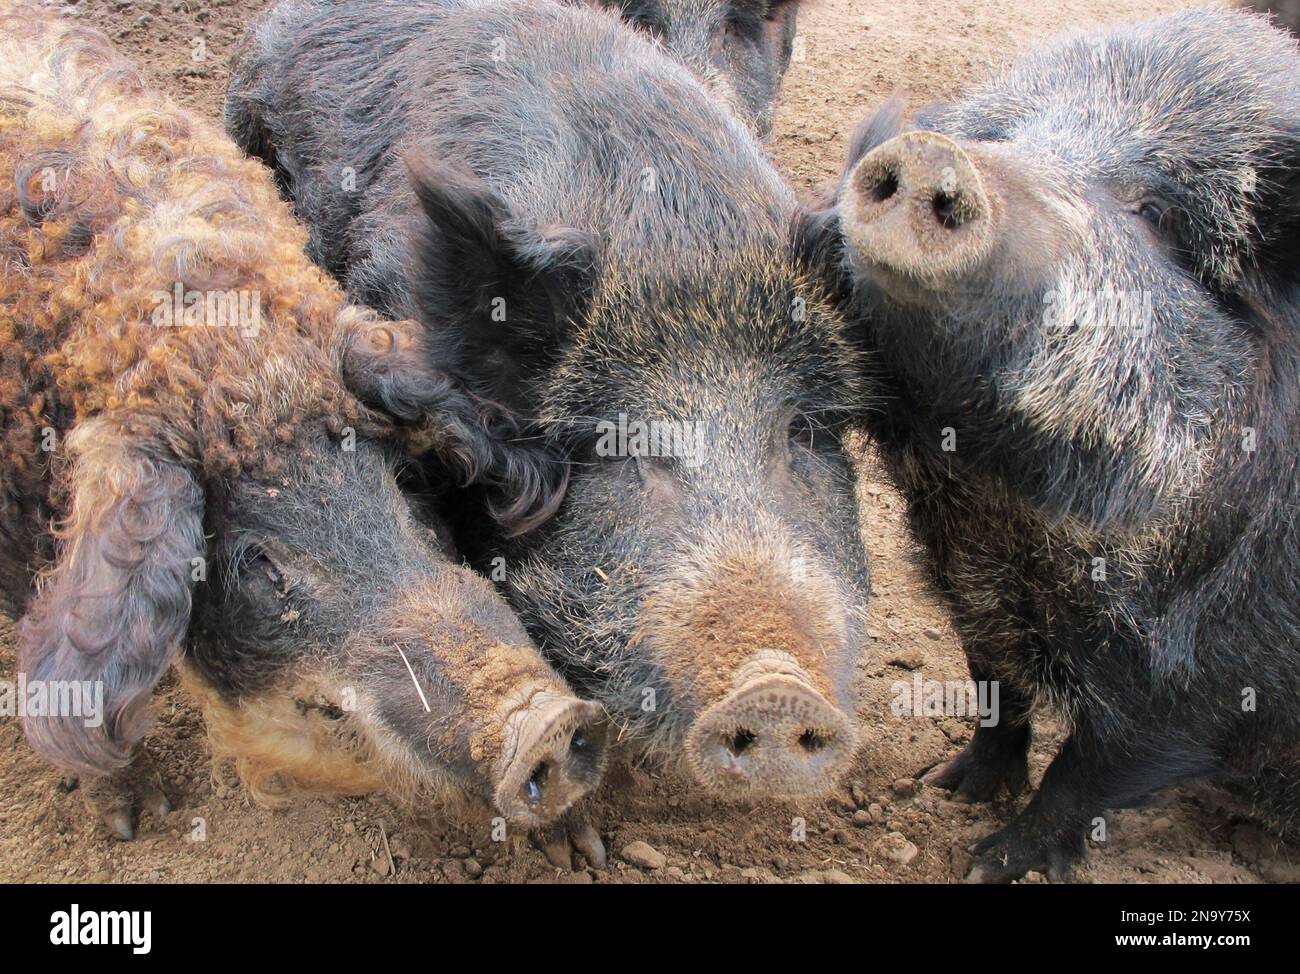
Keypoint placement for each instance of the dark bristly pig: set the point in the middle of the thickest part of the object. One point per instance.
(594, 242)
(740, 49)
(1081, 283)
(217, 436)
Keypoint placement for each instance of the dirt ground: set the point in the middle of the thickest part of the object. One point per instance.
(852, 54)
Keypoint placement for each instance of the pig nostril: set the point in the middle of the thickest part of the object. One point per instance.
(946, 211)
(740, 742)
(885, 187)
(811, 741)
(537, 781)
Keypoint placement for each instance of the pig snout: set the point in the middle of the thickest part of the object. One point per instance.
(554, 754)
(774, 735)
(918, 207)
(759, 649)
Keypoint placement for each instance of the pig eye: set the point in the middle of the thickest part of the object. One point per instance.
(1152, 211)
(260, 568)
(257, 583)
(743, 25)
(801, 432)
(1168, 221)
(1160, 215)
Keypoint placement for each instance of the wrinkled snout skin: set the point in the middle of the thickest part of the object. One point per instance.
(704, 579)
(499, 713)
(1080, 282)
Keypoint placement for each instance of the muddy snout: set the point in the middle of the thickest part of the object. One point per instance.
(554, 754)
(918, 206)
(773, 736)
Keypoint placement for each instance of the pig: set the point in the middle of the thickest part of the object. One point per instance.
(1079, 286)
(218, 437)
(592, 241)
(741, 49)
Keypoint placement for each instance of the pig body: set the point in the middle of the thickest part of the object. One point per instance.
(740, 49)
(1080, 283)
(594, 242)
(217, 435)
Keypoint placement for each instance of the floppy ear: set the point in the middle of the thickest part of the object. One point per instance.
(112, 614)
(478, 442)
(815, 230)
(497, 297)
(875, 130)
(780, 22)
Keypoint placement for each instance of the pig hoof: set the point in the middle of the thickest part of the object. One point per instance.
(117, 799)
(1008, 854)
(572, 833)
(972, 777)
(775, 736)
(555, 754)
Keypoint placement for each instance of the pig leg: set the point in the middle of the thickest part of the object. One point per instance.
(117, 799)
(997, 755)
(1095, 770)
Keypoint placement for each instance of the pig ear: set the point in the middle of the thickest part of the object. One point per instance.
(780, 23)
(497, 297)
(111, 616)
(815, 230)
(875, 130)
(386, 364)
